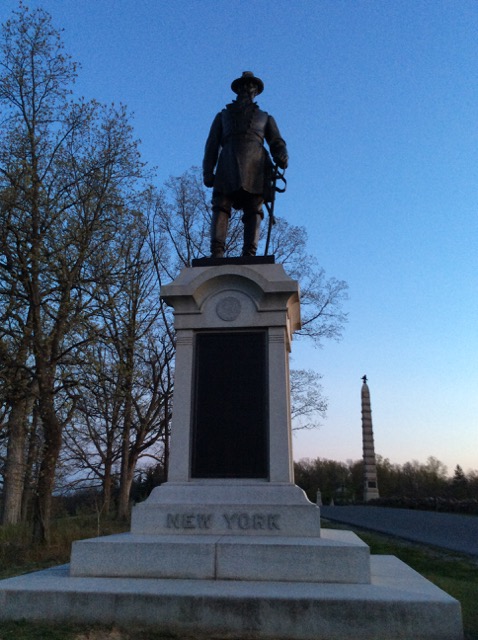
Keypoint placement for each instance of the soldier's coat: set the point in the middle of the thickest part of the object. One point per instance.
(235, 152)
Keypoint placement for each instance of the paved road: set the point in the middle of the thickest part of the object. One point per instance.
(447, 530)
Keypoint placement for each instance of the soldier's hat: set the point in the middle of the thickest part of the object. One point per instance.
(247, 76)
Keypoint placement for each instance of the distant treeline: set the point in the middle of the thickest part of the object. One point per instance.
(413, 485)
(410, 485)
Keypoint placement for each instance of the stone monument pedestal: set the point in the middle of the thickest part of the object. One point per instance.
(241, 532)
(229, 546)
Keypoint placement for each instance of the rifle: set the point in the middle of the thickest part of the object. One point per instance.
(277, 174)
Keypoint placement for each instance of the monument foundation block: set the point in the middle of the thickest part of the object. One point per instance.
(229, 546)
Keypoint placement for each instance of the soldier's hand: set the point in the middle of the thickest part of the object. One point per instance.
(282, 160)
(208, 180)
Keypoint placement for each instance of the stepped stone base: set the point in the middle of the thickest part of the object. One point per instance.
(243, 560)
(398, 604)
(238, 531)
(337, 556)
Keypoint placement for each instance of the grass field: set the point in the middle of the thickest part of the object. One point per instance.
(18, 555)
(455, 574)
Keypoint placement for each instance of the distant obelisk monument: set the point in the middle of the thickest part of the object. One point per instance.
(370, 490)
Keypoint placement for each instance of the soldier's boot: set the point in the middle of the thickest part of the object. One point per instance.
(219, 226)
(252, 227)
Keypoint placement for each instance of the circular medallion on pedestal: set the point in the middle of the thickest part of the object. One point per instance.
(228, 309)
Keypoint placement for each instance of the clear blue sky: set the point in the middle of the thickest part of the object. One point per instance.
(378, 103)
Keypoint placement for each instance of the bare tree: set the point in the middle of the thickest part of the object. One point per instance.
(92, 439)
(143, 353)
(321, 298)
(180, 220)
(122, 400)
(62, 169)
(308, 404)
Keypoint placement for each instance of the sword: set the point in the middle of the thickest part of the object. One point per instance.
(277, 174)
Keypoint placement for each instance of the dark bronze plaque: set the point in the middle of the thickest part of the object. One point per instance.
(230, 434)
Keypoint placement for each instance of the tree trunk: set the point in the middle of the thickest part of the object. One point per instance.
(32, 459)
(127, 481)
(52, 433)
(43, 498)
(126, 475)
(21, 398)
(107, 486)
(15, 464)
(166, 451)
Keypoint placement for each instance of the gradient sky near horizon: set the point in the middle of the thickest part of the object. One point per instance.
(378, 103)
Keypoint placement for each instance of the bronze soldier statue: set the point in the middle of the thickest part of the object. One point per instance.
(237, 165)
